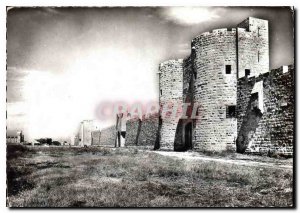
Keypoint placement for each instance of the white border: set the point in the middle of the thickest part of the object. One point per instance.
(90, 3)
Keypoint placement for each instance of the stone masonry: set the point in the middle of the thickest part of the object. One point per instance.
(139, 132)
(221, 78)
(170, 94)
(266, 119)
(214, 89)
(240, 105)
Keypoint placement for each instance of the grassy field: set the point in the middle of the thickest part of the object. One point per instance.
(104, 177)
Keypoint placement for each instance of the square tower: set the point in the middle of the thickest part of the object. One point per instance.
(252, 47)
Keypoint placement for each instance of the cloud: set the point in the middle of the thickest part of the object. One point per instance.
(51, 10)
(16, 74)
(15, 81)
(189, 15)
(16, 108)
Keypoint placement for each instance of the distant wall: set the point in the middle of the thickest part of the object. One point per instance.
(142, 132)
(76, 141)
(139, 132)
(133, 127)
(11, 139)
(149, 131)
(96, 137)
(108, 136)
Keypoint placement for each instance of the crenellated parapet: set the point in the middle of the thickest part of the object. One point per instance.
(215, 32)
(265, 112)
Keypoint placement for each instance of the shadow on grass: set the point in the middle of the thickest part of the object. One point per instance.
(16, 179)
(14, 151)
(17, 172)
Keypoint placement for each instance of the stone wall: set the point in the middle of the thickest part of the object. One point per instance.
(96, 137)
(108, 136)
(272, 128)
(11, 139)
(133, 127)
(142, 132)
(234, 112)
(171, 94)
(209, 82)
(76, 141)
(139, 132)
(149, 131)
(214, 90)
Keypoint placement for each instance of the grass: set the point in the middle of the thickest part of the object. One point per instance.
(106, 177)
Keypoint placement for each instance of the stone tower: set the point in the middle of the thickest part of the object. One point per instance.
(85, 132)
(253, 47)
(170, 95)
(215, 90)
(209, 77)
(252, 58)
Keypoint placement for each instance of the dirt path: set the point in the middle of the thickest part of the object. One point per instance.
(198, 156)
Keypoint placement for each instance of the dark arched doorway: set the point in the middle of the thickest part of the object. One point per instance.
(188, 136)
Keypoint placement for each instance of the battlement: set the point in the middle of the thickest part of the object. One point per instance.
(171, 62)
(221, 31)
(247, 33)
(274, 72)
(242, 29)
(283, 69)
(252, 24)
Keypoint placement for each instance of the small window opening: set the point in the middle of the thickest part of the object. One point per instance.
(230, 111)
(247, 72)
(228, 69)
(198, 111)
(161, 92)
(258, 56)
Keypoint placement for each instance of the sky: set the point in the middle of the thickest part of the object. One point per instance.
(63, 63)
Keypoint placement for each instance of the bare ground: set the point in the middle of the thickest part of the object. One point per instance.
(238, 159)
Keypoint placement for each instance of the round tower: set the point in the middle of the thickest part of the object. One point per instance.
(170, 97)
(215, 90)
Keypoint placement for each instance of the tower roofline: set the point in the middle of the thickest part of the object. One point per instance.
(171, 61)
